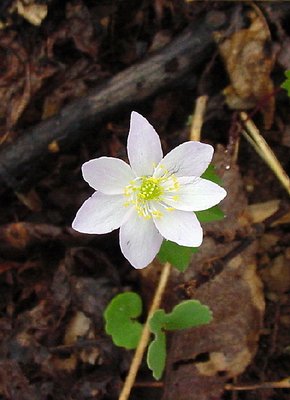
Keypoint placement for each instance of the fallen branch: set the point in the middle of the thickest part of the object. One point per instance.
(24, 161)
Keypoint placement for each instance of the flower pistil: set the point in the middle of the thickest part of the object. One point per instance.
(144, 192)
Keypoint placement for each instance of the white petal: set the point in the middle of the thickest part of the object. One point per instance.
(107, 174)
(181, 227)
(187, 159)
(195, 194)
(139, 240)
(144, 147)
(101, 213)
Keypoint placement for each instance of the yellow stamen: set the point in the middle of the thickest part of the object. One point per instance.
(141, 192)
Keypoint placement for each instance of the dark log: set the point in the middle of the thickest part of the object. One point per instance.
(24, 161)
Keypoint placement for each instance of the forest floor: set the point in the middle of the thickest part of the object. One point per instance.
(83, 66)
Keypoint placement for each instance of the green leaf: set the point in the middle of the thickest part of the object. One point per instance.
(286, 84)
(120, 317)
(156, 354)
(211, 175)
(188, 314)
(210, 215)
(157, 320)
(176, 255)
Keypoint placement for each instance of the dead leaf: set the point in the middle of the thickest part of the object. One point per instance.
(261, 211)
(31, 200)
(72, 84)
(249, 60)
(22, 76)
(234, 205)
(78, 328)
(31, 11)
(78, 27)
(276, 275)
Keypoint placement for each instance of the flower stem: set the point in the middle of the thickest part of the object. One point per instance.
(197, 119)
(137, 359)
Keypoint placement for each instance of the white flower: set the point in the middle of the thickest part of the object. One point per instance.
(150, 199)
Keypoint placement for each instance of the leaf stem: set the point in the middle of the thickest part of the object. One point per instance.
(137, 359)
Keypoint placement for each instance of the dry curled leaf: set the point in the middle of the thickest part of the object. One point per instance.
(249, 60)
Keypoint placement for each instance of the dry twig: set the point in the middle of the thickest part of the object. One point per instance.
(253, 136)
(198, 115)
(283, 384)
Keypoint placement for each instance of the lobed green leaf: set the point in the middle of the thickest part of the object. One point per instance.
(188, 314)
(120, 320)
(156, 354)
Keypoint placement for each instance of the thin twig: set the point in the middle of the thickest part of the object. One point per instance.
(137, 359)
(149, 384)
(283, 384)
(254, 137)
(197, 119)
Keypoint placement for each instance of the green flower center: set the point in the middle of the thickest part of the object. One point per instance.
(144, 191)
(150, 189)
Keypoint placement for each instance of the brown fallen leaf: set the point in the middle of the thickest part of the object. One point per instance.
(77, 328)
(24, 73)
(73, 83)
(78, 27)
(249, 60)
(276, 275)
(208, 356)
(234, 206)
(31, 11)
(260, 211)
